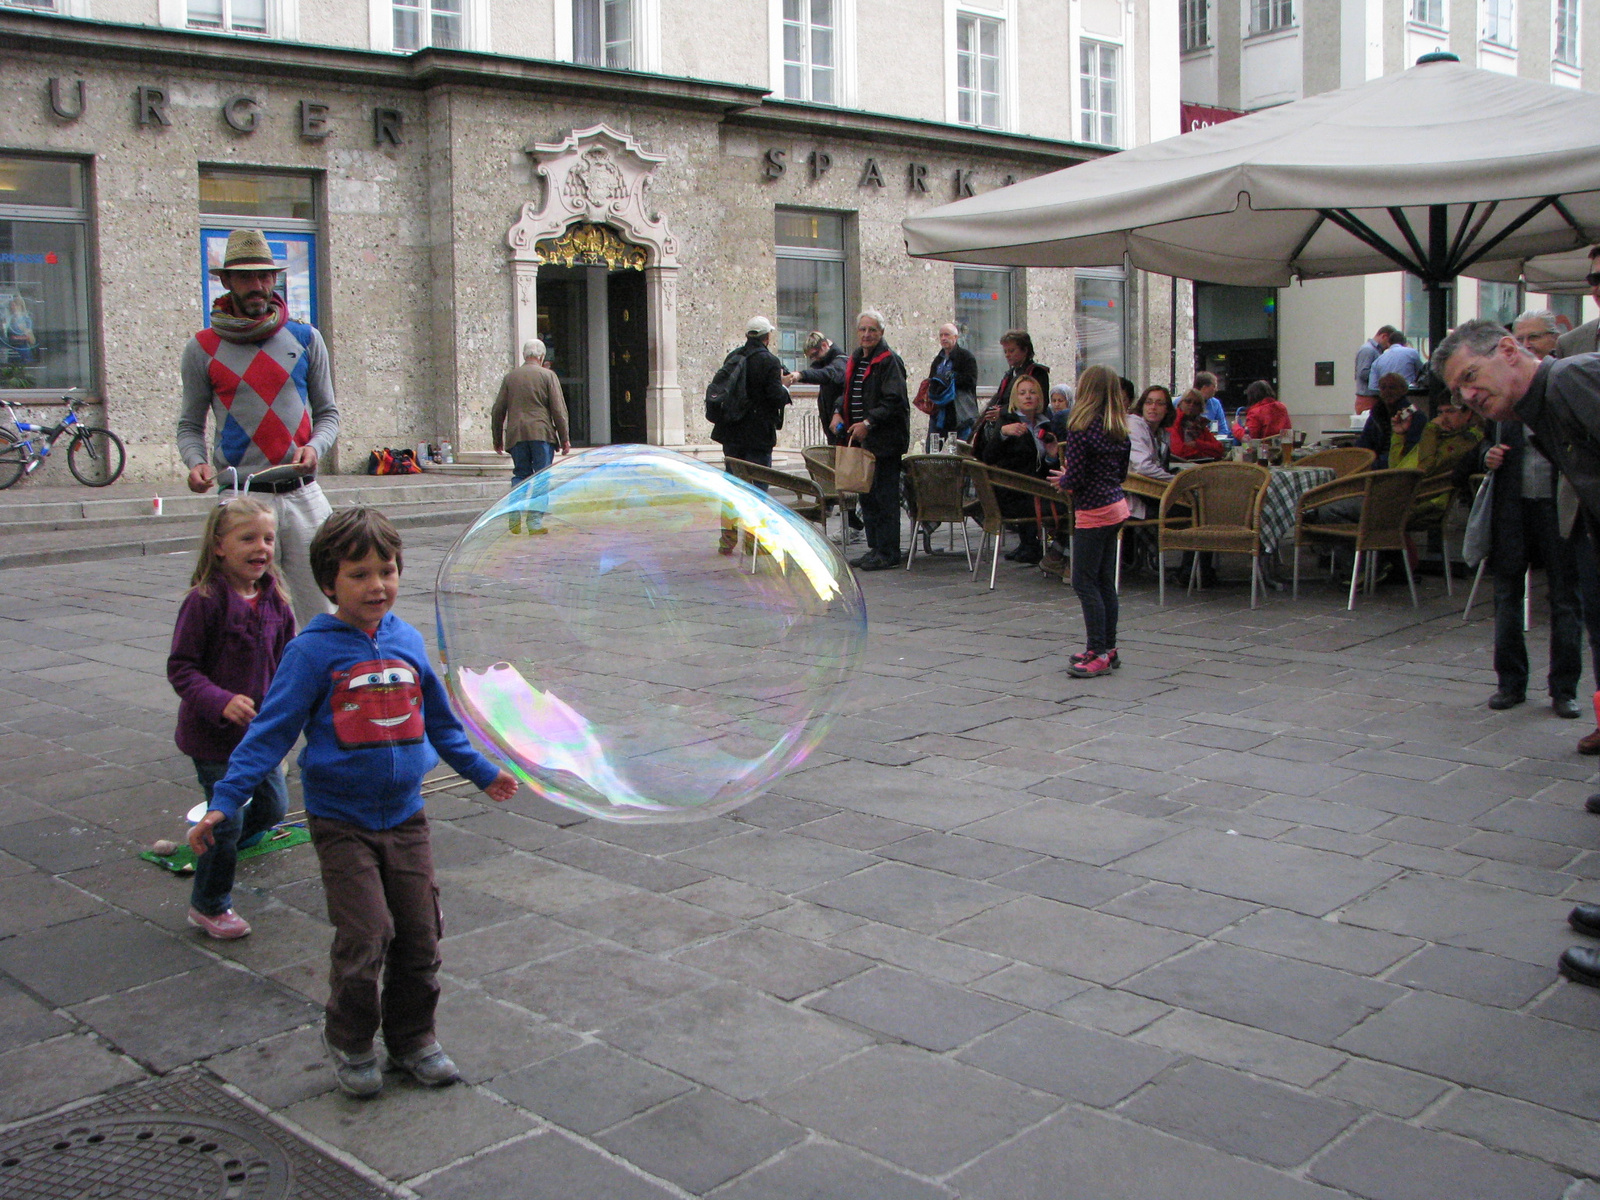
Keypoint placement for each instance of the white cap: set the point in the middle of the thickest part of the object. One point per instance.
(758, 327)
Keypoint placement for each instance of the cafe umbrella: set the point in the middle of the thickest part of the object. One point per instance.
(1432, 170)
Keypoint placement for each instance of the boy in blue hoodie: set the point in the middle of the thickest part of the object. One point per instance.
(376, 720)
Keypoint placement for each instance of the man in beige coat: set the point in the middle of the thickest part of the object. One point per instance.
(530, 415)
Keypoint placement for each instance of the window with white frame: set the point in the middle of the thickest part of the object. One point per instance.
(1098, 74)
(602, 33)
(1194, 17)
(1498, 27)
(1267, 15)
(1428, 12)
(36, 5)
(419, 23)
(1564, 44)
(810, 49)
(979, 69)
(229, 16)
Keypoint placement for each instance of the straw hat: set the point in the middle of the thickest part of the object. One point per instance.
(247, 251)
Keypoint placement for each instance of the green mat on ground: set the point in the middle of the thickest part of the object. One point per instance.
(181, 860)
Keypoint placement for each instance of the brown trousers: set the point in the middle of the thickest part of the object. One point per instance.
(384, 907)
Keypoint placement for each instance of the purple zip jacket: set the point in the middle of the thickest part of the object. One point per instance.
(223, 646)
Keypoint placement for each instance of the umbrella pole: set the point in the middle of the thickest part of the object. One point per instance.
(1438, 251)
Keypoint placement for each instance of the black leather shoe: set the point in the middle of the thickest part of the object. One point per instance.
(878, 563)
(1504, 699)
(864, 559)
(1585, 918)
(1581, 964)
(1592, 804)
(1565, 706)
(1029, 555)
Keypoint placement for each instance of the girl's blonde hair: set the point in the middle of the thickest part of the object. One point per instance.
(1097, 400)
(223, 517)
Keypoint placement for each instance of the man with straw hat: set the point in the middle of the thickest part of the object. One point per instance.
(264, 379)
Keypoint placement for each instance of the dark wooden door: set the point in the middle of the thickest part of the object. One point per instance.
(630, 355)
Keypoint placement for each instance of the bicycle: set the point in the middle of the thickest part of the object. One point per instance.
(95, 456)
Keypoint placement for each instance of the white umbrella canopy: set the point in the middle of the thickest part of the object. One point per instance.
(1430, 170)
(1563, 274)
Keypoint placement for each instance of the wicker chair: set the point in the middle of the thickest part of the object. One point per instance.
(1430, 509)
(1148, 489)
(936, 487)
(985, 481)
(1345, 460)
(1223, 500)
(964, 449)
(819, 465)
(1386, 498)
(808, 500)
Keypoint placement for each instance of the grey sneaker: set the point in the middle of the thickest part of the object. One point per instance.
(430, 1066)
(358, 1075)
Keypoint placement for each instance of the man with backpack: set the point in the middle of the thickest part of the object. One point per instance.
(745, 400)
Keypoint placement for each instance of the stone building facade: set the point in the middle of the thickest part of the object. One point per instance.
(442, 205)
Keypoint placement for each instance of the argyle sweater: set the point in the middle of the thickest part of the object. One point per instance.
(267, 398)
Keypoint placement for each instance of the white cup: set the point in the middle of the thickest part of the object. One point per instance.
(155, 506)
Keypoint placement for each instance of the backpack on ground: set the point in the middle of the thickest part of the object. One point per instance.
(728, 394)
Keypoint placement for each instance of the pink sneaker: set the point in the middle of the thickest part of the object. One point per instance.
(1088, 668)
(225, 926)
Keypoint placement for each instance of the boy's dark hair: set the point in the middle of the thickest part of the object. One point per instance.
(351, 534)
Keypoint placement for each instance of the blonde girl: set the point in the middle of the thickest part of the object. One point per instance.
(231, 631)
(1094, 462)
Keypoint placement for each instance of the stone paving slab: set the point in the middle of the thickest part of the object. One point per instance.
(1273, 912)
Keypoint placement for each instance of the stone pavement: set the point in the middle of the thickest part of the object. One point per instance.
(1272, 912)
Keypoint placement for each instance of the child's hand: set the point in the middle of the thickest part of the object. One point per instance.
(201, 838)
(241, 710)
(501, 788)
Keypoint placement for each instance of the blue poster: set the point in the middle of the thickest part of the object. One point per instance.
(298, 284)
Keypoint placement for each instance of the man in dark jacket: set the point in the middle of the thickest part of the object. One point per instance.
(1017, 346)
(1559, 402)
(875, 411)
(953, 387)
(827, 373)
(754, 433)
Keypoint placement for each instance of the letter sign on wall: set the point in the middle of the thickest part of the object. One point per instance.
(313, 119)
(150, 105)
(387, 126)
(240, 112)
(775, 166)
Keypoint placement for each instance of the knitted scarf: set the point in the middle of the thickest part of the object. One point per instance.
(230, 326)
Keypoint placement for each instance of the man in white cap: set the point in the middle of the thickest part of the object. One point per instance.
(265, 381)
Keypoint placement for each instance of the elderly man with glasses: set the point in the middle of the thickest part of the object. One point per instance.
(1558, 400)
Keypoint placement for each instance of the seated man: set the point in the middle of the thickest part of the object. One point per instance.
(1445, 441)
(1377, 434)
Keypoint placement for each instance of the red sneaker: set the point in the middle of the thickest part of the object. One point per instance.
(1096, 664)
(225, 926)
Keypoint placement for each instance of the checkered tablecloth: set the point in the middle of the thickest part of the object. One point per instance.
(1283, 493)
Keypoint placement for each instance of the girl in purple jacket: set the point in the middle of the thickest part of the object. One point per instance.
(1094, 462)
(231, 632)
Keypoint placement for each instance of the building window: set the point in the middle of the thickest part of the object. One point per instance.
(1415, 309)
(229, 16)
(1498, 24)
(419, 23)
(811, 281)
(36, 5)
(1097, 92)
(1268, 15)
(282, 206)
(1568, 311)
(1102, 321)
(809, 47)
(602, 33)
(978, 72)
(44, 279)
(1195, 25)
(984, 310)
(1428, 12)
(1564, 47)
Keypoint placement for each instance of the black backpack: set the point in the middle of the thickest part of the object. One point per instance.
(728, 395)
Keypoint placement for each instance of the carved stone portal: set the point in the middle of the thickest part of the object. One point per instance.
(595, 211)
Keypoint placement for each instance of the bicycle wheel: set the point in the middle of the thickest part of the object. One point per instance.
(96, 457)
(13, 459)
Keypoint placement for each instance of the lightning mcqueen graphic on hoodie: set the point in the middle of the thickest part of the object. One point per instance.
(377, 703)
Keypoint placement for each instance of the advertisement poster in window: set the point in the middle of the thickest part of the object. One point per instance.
(298, 284)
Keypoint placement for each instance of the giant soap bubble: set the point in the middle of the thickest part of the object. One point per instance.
(595, 634)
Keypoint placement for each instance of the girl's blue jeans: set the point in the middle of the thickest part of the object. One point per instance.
(212, 893)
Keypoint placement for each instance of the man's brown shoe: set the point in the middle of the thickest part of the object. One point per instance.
(1589, 743)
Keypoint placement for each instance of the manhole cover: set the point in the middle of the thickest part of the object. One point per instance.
(177, 1138)
(151, 1156)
